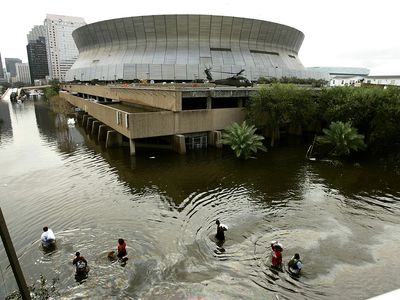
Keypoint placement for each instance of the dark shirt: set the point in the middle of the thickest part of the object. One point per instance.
(220, 233)
(80, 258)
(122, 250)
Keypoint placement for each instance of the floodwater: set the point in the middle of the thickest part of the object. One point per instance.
(343, 220)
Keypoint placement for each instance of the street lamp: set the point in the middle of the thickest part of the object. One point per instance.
(115, 79)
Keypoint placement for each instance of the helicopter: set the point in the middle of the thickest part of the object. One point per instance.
(236, 80)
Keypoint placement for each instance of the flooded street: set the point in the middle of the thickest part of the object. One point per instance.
(344, 220)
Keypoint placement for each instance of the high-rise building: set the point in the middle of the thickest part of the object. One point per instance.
(2, 77)
(61, 49)
(23, 74)
(10, 65)
(37, 59)
(36, 32)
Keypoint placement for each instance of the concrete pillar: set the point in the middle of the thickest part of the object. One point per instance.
(209, 101)
(79, 116)
(89, 124)
(179, 144)
(95, 128)
(114, 139)
(132, 147)
(102, 135)
(84, 120)
(214, 138)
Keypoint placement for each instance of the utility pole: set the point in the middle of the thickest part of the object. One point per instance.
(13, 259)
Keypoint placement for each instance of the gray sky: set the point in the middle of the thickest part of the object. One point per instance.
(345, 33)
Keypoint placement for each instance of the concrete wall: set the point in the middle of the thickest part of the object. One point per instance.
(152, 124)
(170, 123)
(97, 90)
(161, 99)
(164, 99)
(105, 114)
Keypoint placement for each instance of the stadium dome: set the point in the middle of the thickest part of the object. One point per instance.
(180, 47)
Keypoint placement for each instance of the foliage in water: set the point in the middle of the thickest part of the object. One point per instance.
(243, 140)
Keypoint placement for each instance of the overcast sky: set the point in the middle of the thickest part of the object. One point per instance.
(345, 33)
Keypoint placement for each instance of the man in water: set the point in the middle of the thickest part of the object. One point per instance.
(80, 263)
(121, 248)
(276, 254)
(48, 238)
(295, 265)
(220, 231)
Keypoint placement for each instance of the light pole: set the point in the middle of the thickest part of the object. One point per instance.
(81, 77)
(115, 79)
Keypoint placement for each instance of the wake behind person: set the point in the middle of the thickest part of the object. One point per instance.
(48, 238)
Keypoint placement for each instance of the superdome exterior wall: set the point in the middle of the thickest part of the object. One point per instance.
(180, 47)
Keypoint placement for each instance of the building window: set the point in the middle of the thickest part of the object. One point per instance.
(264, 52)
(220, 49)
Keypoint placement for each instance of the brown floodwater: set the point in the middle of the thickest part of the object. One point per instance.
(343, 220)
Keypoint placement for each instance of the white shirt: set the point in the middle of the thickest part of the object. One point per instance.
(48, 237)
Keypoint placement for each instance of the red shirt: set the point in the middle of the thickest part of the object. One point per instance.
(122, 249)
(277, 258)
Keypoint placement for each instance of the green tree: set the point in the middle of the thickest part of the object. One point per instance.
(281, 105)
(243, 140)
(343, 138)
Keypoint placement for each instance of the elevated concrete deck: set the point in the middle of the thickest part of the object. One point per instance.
(144, 112)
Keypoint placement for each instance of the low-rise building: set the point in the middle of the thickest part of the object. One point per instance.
(383, 80)
(346, 80)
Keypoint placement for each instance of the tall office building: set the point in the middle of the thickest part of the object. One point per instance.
(37, 59)
(36, 32)
(2, 77)
(10, 65)
(23, 74)
(61, 49)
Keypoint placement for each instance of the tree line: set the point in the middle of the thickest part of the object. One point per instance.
(373, 111)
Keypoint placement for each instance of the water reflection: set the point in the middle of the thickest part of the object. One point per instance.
(343, 221)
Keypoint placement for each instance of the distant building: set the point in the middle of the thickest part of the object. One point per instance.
(37, 31)
(346, 80)
(2, 77)
(23, 74)
(61, 49)
(343, 76)
(10, 65)
(383, 80)
(37, 59)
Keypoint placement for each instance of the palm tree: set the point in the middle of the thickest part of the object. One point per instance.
(243, 140)
(343, 138)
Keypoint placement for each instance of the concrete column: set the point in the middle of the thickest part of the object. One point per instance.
(84, 120)
(179, 144)
(102, 135)
(114, 139)
(132, 147)
(95, 128)
(79, 116)
(214, 138)
(89, 124)
(209, 102)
